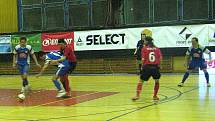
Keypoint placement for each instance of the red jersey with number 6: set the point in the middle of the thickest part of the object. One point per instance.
(151, 55)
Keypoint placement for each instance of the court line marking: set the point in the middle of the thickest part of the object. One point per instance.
(70, 116)
(136, 108)
(94, 92)
(164, 101)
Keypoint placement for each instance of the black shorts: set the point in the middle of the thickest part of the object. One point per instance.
(148, 71)
(72, 66)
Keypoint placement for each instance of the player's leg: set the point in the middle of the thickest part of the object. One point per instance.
(206, 77)
(24, 72)
(156, 76)
(187, 73)
(138, 90)
(71, 68)
(203, 67)
(63, 73)
(139, 65)
(65, 83)
(144, 76)
(62, 80)
(61, 92)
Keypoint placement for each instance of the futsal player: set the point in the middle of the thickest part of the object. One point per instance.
(151, 58)
(21, 60)
(63, 69)
(194, 59)
(69, 54)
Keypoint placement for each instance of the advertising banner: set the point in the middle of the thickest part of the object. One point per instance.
(50, 40)
(5, 44)
(101, 39)
(32, 39)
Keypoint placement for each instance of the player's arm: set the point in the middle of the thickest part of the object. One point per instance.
(45, 66)
(209, 54)
(187, 57)
(135, 52)
(14, 58)
(33, 56)
(160, 57)
(59, 60)
(205, 50)
(187, 60)
(35, 60)
(143, 56)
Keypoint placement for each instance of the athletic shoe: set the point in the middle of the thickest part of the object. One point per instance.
(155, 98)
(135, 98)
(181, 84)
(26, 89)
(61, 93)
(68, 94)
(208, 85)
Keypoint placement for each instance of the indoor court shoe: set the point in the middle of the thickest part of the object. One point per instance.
(135, 98)
(155, 98)
(22, 90)
(208, 85)
(26, 89)
(61, 93)
(180, 84)
(68, 95)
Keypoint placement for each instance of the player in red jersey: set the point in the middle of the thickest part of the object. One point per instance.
(68, 52)
(151, 58)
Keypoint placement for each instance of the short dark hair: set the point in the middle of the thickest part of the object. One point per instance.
(61, 41)
(23, 38)
(195, 38)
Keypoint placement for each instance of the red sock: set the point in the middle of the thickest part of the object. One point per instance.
(139, 88)
(156, 88)
(66, 83)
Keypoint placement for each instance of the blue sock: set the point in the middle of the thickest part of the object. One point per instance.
(185, 77)
(207, 76)
(24, 82)
(57, 84)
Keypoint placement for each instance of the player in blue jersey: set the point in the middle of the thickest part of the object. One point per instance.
(63, 69)
(21, 60)
(194, 59)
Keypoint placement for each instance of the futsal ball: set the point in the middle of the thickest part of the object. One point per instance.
(21, 97)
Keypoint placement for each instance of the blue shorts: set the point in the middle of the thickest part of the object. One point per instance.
(62, 71)
(23, 69)
(197, 64)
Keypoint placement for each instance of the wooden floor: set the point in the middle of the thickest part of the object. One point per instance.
(108, 98)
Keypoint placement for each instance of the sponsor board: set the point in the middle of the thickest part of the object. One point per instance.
(50, 40)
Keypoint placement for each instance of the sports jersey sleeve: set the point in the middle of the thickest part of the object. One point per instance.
(188, 51)
(31, 51)
(15, 49)
(204, 49)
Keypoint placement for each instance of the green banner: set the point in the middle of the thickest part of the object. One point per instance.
(32, 39)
